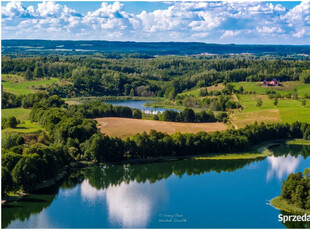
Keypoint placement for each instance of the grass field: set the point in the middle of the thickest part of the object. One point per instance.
(285, 87)
(19, 113)
(17, 85)
(287, 110)
(27, 127)
(23, 115)
(125, 127)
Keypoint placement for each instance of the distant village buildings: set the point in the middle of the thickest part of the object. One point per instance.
(274, 82)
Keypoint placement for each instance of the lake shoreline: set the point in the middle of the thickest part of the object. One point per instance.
(262, 151)
(281, 204)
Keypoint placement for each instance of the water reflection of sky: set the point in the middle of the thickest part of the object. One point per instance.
(281, 166)
(200, 198)
(129, 205)
(139, 105)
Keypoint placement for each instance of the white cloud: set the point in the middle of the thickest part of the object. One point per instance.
(229, 33)
(300, 33)
(266, 29)
(231, 21)
(90, 193)
(130, 205)
(281, 166)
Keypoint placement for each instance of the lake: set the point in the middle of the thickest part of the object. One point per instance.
(139, 105)
(179, 194)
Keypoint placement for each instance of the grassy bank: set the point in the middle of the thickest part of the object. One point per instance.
(280, 203)
(236, 156)
(298, 142)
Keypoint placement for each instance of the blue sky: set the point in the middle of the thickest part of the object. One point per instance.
(210, 22)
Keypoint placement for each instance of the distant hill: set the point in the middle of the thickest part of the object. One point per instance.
(146, 48)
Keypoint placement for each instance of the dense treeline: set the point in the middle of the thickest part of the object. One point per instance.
(26, 101)
(71, 136)
(220, 103)
(97, 108)
(187, 115)
(149, 77)
(295, 189)
(118, 49)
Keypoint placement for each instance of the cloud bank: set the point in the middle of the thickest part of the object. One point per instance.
(219, 22)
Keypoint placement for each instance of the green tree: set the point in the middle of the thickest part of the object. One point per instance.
(188, 115)
(11, 122)
(305, 76)
(38, 72)
(203, 92)
(11, 139)
(137, 114)
(295, 95)
(132, 92)
(259, 102)
(275, 102)
(6, 180)
(171, 95)
(28, 75)
(28, 171)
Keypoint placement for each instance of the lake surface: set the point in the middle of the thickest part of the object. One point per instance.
(180, 194)
(139, 105)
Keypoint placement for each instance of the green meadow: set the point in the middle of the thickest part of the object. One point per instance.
(23, 115)
(19, 113)
(284, 87)
(287, 110)
(16, 85)
(25, 127)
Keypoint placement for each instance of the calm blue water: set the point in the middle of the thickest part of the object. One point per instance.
(139, 105)
(182, 194)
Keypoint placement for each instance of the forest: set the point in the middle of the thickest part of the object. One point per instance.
(116, 49)
(159, 77)
(295, 189)
(51, 102)
(71, 136)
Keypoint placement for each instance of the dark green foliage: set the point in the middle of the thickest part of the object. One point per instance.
(28, 74)
(9, 140)
(187, 115)
(305, 76)
(10, 122)
(103, 148)
(295, 95)
(155, 117)
(163, 76)
(259, 102)
(161, 144)
(38, 72)
(25, 101)
(28, 171)
(295, 189)
(276, 101)
(9, 160)
(137, 114)
(222, 117)
(6, 180)
(203, 92)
